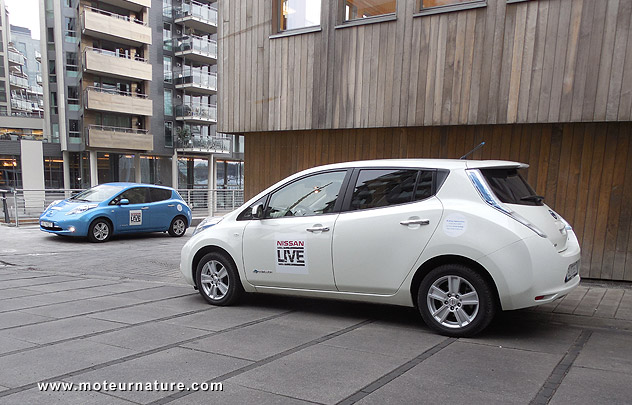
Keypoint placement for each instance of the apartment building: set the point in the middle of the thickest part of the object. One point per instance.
(545, 82)
(28, 158)
(131, 88)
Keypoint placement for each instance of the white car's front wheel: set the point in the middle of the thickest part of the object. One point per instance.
(217, 279)
(456, 301)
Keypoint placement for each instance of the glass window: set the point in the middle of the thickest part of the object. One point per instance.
(383, 187)
(166, 36)
(510, 187)
(168, 102)
(136, 195)
(53, 103)
(313, 195)
(424, 186)
(295, 14)
(356, 9)
(168, 134)
(73, 95)
(53, 173)
(3, 91)
(166, 67)
(159, 194)
(72, 61)
(438, 3)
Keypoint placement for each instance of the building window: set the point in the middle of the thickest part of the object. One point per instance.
(296, 14)
(358, 9)
(3, 92)
(168, 134)
(167, 8)
(72, 63)
(53, 103)
(74, 133)
(168, 102)
(448, 5)
(53, 173)
(167, 69)
(166, 37)
(73, 98)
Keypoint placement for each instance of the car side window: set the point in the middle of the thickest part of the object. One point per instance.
(424, 185)
(159, 194)
(136, 195)
(313, 195)
(384, 187)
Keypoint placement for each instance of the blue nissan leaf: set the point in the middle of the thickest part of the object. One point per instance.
(118, 208)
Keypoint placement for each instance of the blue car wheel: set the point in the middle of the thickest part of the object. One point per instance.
(100, 230)
(178, 226)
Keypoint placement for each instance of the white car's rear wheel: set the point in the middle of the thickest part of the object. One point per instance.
(456, 301)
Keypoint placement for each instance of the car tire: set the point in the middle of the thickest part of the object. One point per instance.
(456, 301)
(217, 280)
(100, 230)
(178, 227)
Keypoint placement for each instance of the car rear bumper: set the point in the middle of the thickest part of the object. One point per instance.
(531, 272)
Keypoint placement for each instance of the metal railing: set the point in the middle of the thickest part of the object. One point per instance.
(194, 111)
(115, 92)
(195, 44)
(114, 54)
(20, 206)
(19, 81)
(198, 10)
(114, 15)
(16, 56)
(206, 80)
(205, 202)
(117, 129)
(216, 144)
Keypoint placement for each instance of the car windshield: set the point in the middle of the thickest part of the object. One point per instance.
(97, 194)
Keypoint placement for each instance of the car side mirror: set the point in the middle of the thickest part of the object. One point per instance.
(257, 211)
(124, 201)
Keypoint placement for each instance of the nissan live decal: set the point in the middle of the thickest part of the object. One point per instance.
(291, 256)
(135, 217)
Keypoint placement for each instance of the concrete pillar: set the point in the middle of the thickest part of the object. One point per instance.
(66, 165)
(174, 169)
(211, 182)
(137, 173)
(94, 173)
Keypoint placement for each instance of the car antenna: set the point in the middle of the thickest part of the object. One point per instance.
(480, 145)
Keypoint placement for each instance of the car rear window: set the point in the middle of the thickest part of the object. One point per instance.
(159, 194)
(510, 187)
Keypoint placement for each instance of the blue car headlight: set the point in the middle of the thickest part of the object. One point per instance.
(82, 208)
(207, 223)
(52, 204)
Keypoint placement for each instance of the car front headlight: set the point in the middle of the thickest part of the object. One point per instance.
(207, 223)
(53, 203)
(82, 208)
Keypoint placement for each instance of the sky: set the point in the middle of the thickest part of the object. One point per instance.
(24, 13)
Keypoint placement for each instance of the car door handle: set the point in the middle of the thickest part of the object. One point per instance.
(171, 205)
(318, 229)
(145, 208)
(416, 222)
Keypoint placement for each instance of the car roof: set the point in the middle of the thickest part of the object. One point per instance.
(128, 185)
(449, 164)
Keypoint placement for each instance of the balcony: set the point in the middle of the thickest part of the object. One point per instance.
(16, 57)
(38, 56)
(197, 113)
(21, 105)
(204, 145)
(100, 136)
(19, 82)
(134, 5)
(113, 64)
(96, 98)
(198, 16)
(114, 27)
(196, 49)
(38, 79)
(198, 83)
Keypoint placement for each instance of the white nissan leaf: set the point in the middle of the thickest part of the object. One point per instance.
(458, 239)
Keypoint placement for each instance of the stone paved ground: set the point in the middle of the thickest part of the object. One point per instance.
(77, 312)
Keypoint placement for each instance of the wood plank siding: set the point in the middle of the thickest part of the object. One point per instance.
(583, 170)
(537, 61)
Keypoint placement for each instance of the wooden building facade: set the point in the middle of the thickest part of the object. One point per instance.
(545, 82)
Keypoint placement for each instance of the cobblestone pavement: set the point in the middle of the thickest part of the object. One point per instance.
(76, 312)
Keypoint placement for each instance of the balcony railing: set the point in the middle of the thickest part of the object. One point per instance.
(194, 44)
(211, 144)
(116, 92)
(21, 105)
(115, 54)
(38, 79)
(116, 64)
(38, 56)
(197, 112)
(197, 15)
(114, 15)
(121, 130)
(196, 79)
(19, 81)
(103, 136)
(16, 57)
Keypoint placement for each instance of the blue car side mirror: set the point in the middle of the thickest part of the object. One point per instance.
(124, 201)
